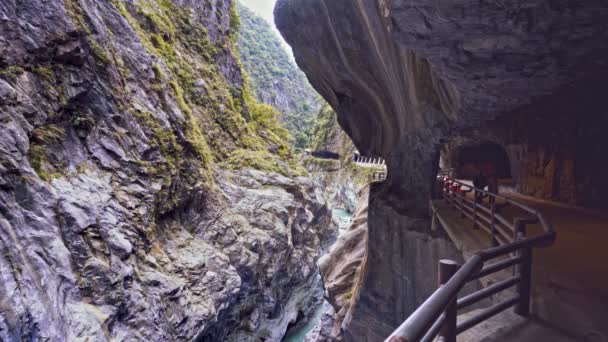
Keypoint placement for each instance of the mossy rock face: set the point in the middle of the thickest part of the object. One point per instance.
(11, 72)
(259, 160)
(41, 138)
(189, 69)
(123, 132)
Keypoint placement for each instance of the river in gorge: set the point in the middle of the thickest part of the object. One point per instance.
(303, 327)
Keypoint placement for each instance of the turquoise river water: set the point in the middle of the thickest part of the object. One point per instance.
(343, 217)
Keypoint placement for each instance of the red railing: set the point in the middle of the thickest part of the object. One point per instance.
(437, 316)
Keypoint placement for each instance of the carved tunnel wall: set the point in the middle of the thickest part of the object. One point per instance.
(471, 158)
(557, 150)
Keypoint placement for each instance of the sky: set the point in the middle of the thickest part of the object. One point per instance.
(264, 8)
(261, 7)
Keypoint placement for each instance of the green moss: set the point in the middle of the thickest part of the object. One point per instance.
(164, 139)
(76, 13)
(197, 140)
(259, 160)
(160, 24)
(235, 21)
(38, 157)
(82, 121)
(45, 72)
(179, 97)
(120, 64)
(168, 31)
(102, 57)
(10, 73)
(349, 294)
(49, 134)
(158, 73)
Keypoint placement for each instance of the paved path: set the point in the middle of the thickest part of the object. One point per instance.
(572, 275)
(570, 278)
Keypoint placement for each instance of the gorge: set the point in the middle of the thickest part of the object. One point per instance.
(168, 173)
(145, 193)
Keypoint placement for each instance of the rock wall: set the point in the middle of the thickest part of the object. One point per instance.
(405, 76)
(554, 149)
(340, 269)
(338, 183)
(119, 218)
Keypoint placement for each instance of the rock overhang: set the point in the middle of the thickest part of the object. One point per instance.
(397, 68)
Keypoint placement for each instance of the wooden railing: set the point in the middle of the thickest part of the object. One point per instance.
(436, 317)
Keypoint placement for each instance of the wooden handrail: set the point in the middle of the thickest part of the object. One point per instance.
(431, 318)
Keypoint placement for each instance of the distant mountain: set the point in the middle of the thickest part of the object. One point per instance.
(274, 77)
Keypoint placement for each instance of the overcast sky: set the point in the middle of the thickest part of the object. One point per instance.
(264, 8)
(261, 7)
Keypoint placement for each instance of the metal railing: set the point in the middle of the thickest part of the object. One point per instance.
(378, 176)
(437, 316)
(359, 159)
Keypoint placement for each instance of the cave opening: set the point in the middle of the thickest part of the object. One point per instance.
(468, 160)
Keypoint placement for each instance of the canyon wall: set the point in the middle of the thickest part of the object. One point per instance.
(128, 206)
(404, 77)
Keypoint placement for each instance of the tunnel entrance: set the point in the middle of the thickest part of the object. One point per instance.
(470, 159)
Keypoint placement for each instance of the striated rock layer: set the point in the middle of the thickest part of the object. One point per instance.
(404, 76)
(340, 269)
(119, 218)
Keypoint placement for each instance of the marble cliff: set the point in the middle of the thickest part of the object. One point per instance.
(130, 204)
(406, 77)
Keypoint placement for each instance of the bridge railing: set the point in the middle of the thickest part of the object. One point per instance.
(378, 176)
(437, 316)
(359, 159)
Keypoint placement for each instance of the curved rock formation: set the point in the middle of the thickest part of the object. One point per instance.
(341, 266)
(405, 75)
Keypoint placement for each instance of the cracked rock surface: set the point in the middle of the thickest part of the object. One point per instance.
(118, 218)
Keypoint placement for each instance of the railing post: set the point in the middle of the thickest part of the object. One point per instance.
(438, 193)
(462, 203)
(524, 270)
(475, 209)
(493, 223)
(434, 222)
(447, 268)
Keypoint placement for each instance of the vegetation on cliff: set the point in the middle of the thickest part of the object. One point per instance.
(218, 120)
(327, 135)
(123, 124)
(274, 77)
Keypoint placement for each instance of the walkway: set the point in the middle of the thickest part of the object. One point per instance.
(571, 285)
(570, 278)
